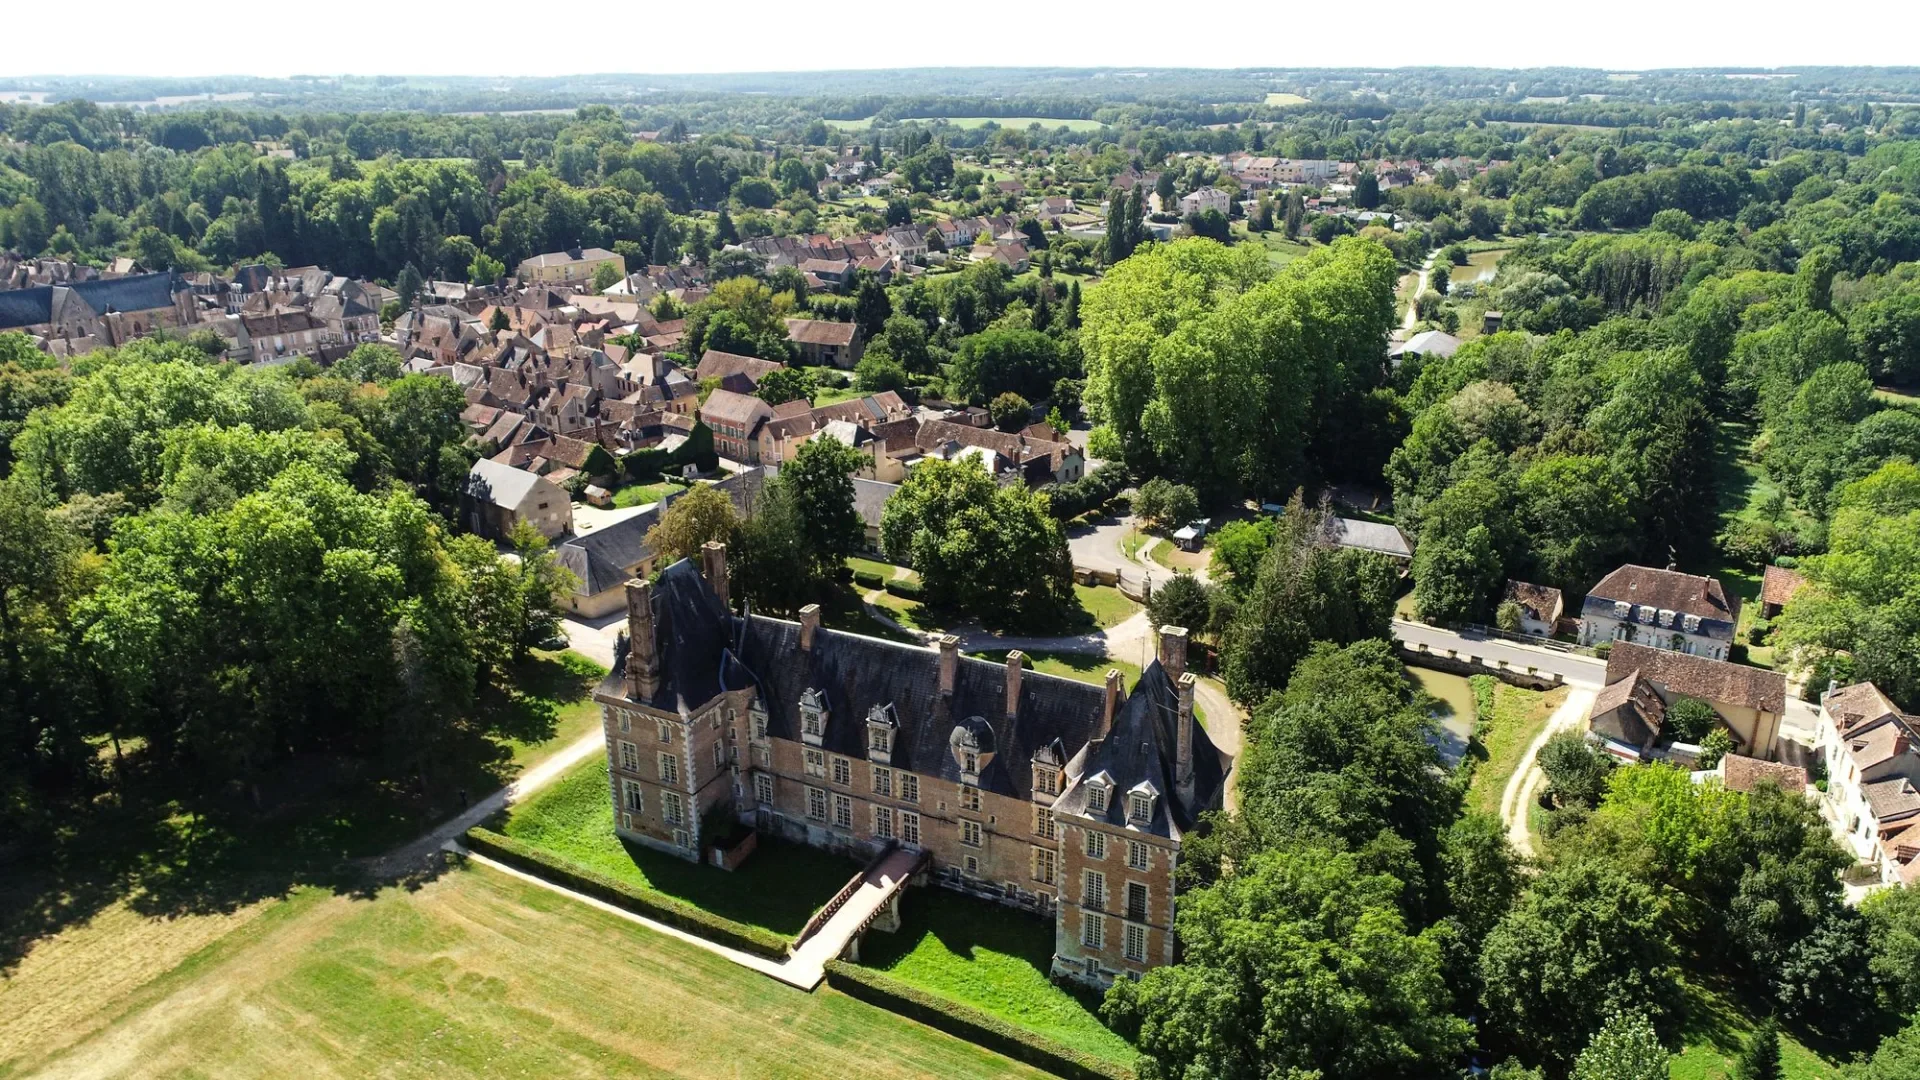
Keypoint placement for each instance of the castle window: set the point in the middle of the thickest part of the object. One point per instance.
(666, 731)
(1096, 798)
(763, 789)
(879, 740)
(1046, 865)
(910, 827)
(816, 763)
(883, 822)
(970, 798)
(970, 833)
(1137, 900)
(1140, 807)
(909, 787)
(882, 781)
(1096, 845)
(670, 808)
(1136, 855)
(1093, 934)
(635, 800)
(843, 811)
(1136, 943)
(1046, 780)
(1093, 889)
(1043, 823)
(669, 769)
(629, 756)
(842, 771)
(816, 804)
(758, 720)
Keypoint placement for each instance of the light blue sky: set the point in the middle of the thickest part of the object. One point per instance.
(139, 37)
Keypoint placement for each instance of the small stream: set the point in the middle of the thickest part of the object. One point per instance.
(1453, 709)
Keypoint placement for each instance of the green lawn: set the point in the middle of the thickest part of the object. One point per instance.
(1085, 667)
(643, 494)
(1716, 1032)
(1518, 717)
(910, 613)
(1282, 98)
(776, 889)
(842, 610)
(1170, 555)
(562, 682)
(886, 570)
(1105, 605)
(474, 974)
(1743, 489)
(993, 959)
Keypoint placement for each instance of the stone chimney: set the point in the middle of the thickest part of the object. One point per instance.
(643, 658)
(809, 622)
(1173, 651)
(1016, 666)
(1116, 693)
(1183, 739)
(713, 564)
(949, 663)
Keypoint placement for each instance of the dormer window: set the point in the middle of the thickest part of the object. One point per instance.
(880, 726)
(1139, 807)
(1046, 780)
(757, 721)
(969, 765)
(1692, 624)
(879, 740)
(813, 716)
(1622, 609)
(1098, 790)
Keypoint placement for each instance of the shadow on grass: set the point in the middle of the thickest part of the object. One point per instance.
(169, 847)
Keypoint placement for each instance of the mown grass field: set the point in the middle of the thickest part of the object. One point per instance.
(562, 682)
(993, 959)
(1105, 605)
(1279, 98)
(474, 974)
(1084, 667)
(776, 889)
(643, 494)
(1716, 1033)
(1518, 717)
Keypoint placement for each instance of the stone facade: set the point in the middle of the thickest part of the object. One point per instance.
(853, 744)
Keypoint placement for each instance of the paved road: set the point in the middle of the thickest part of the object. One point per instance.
(1574, 668)
(593, 638)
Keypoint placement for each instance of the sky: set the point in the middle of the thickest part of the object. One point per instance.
(512, 37)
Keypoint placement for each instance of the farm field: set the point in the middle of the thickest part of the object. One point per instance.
(970, 122)
(472, 974)
(1280, 99)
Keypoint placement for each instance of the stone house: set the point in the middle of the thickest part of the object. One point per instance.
(1777, 586)
(1630, 712)
(1540, 606)
(1872, 799)
(1062, 798)
(498, 496)
(735, 419)
(574, 266)
(823, 343)
(1662, 609)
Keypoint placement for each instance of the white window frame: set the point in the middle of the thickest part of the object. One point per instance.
(817, 803)
(842, 771)
(1045, 863)
(910, 828)
(1138, 857)
(629, 757)
(816, 762)
(842, 811)
(669, 768)
(672, 809)
(1146, 898)
(883, 781)
(1136, 943)
(1096, 844)
(1093, 889)
(763, 789)
(883, 822)
(909, 787)
(969, 798)
(633, 796)
(665, 730)
(1043, 826)
(1093, 930)
(970, 833)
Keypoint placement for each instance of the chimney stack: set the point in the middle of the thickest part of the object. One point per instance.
(643, 659)
(1173, 651)
(1016, 661)
(949, 663)
(1183, 739)
(809, 622)
(1115, 694)
(713, 557)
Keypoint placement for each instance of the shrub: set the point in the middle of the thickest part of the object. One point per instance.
(970, 1024)
(653, 905)
(1757, 633)
(868, 579)
(1716, 745)
(909, 590)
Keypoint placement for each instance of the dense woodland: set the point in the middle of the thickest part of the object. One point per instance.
(213, 579)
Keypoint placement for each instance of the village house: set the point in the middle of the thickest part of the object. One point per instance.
(1664, 609)
(735, 419)
(1777, 586)
(574, 266)
(826, 344)
(738, 373)
(84, 315)
(1872, 799)
(1061, 798)
(1629, 714)
(499, 496)
(603, 560)
(1540, 607)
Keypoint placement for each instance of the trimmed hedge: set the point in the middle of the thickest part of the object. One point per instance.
(654, 905)
(971, 1024)
(909, 590)
(867, 579)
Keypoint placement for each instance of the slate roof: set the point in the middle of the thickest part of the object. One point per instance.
(1715, 681)
(870, 499)
(137, 292)
(1140, 746)
(603, 558)
(1369, 536)
(499, 484)
(703, 649)
(1891, 800)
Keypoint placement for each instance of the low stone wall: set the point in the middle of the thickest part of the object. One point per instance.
(1463, 662)
(731, 858)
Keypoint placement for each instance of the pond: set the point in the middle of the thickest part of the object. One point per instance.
(1453, 709)
(1480, 268)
